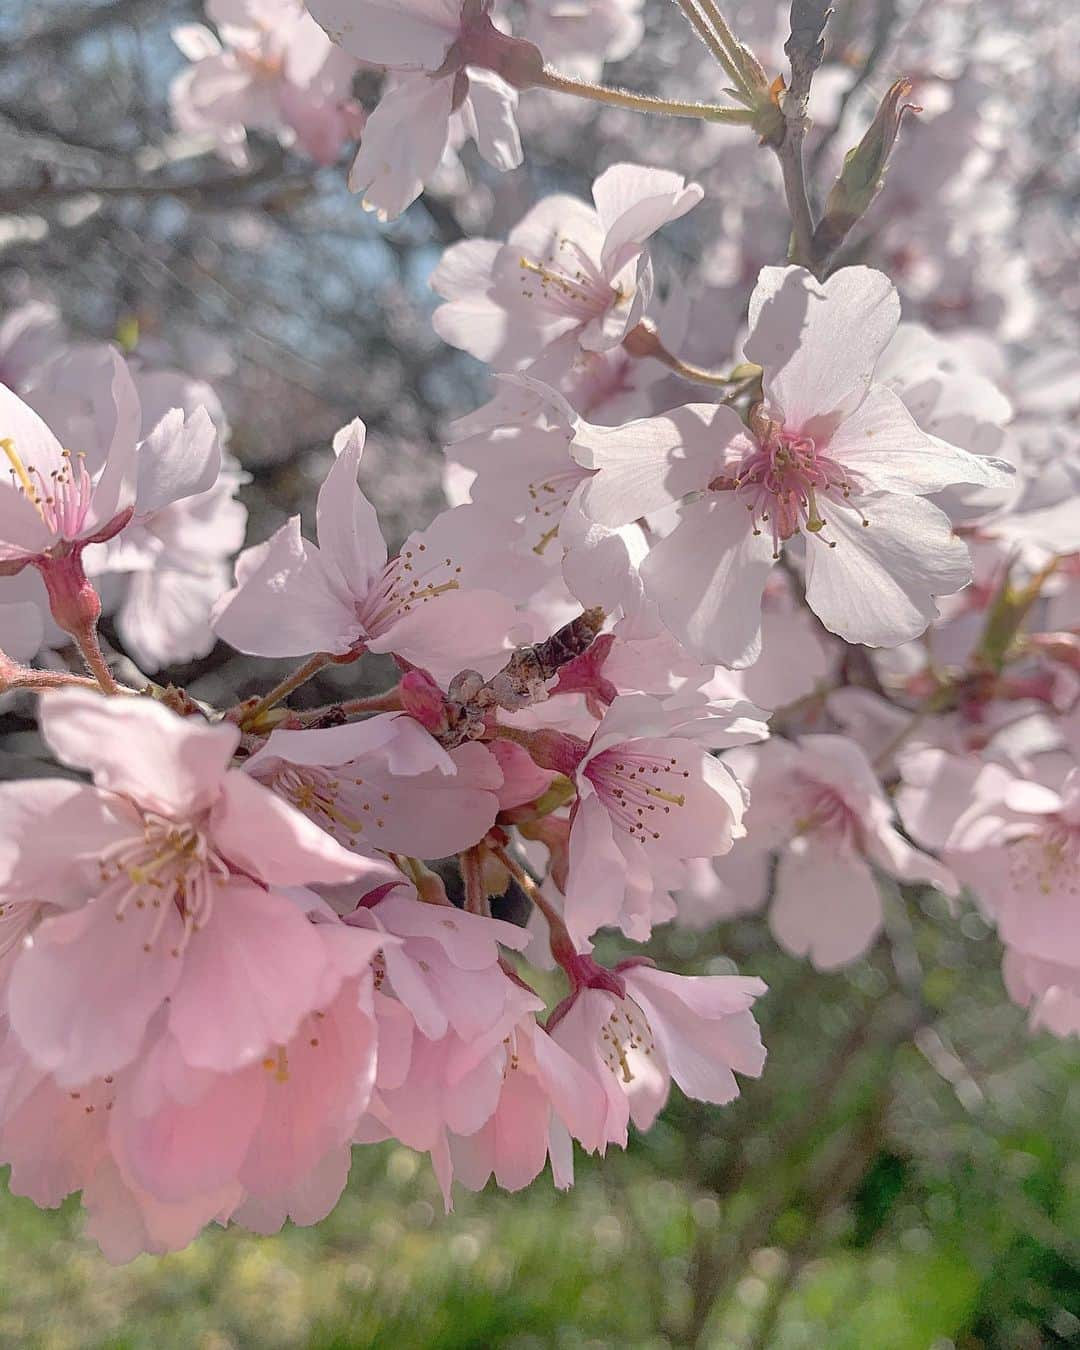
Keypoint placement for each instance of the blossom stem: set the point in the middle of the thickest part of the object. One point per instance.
(301, 675)
(561, 943)
(643, 340)
(15, 676)
(702, 18)
(646, 103)
(472, 875)
(805, 49)
(90, 650)
(388, 701)
(558, 750)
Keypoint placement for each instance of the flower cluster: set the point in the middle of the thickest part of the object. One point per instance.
(792, 630)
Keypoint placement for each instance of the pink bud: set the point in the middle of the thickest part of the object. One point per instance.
(422, 698)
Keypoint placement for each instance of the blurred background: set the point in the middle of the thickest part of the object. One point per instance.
(905, 1176)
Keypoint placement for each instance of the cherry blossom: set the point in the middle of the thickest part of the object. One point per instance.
(386, 784)
(697, 1030)
(274, 70)
(829, 456)
(344, 596)
(819, 805)
(570, 277)
(650, 797)
(451, 65)
(168, 894)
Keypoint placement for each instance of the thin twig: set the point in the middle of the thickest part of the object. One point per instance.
(805, 49)
(301, 675)
(646, 103)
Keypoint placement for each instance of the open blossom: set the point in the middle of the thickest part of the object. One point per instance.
(570, 277)
(167, 564)
(385, 783)
(273, 70)
(51, 503)
(818, 804)
(342, 595)
(162, 1147)
(696, 1029)
(650, 796)
(450, 65)
(1016, 843)
(60, 497)
(164, 892)
(829, 456)
(546, 1100)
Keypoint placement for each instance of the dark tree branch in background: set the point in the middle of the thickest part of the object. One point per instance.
(216, 190)
(77, 25)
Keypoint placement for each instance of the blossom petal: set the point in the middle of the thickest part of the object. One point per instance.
(827, 906)
(286, 602)
(259, 832)
(137, 747)
(877, 585)
(881, 443)
(818, 342)
(707, 577)
(250, 975)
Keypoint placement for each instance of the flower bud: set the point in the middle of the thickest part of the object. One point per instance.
(863, 173)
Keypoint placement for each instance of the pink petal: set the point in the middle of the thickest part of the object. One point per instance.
(137, 747)
(349, 533)
(40, 811)
(707, 577)
(250, 975)
(818, 342)
(877, 586)
(271, 840)
(286, 602)
(82, 993)
(827, 906)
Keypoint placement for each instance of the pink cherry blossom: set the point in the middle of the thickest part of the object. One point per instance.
(385, 783)
(697, 1030)
(829, 456)
(819, 804)
(408, 135)
(445, 968)
(570, 276)
(546, 1101)
(169, 893)
(342, 595)
(1016, 843)
(274, 70)
(29, 336)
(454, 71)
(650, 797)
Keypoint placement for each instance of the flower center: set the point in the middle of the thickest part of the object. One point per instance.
(549, 497)
(823, 811)
(569, 284)
(409, 580)
(61, 498)
(318, 794)
(638, 789)
(780, 483)
(1048, 859)
(170, 866)
(625, 1033)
